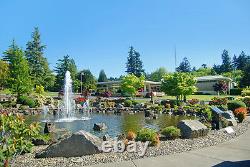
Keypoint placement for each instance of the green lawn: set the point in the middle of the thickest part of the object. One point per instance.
(200, 97)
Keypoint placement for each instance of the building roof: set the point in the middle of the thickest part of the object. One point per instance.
(213, 78)
(118, 82)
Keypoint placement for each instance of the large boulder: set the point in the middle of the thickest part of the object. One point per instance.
(192, 128)
(99, 126)
(49, 127)
(78, 144)
(229, 116)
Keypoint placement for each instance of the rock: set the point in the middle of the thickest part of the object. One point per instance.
(230, 118)
(78, 144)
(48, 127)
(121, 137)
(100, 126)
(120, 106)
(155, 116)
(192, 129)
(148, 113)
(106, 137)
(38, 142)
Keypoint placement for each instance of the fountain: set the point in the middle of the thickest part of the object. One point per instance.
(66, 110)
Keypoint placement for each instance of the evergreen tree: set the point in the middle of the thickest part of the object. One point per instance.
(241, 61)
(4, 72)
(39, 67)
(134, 64)
(18, 80)
(226, 62)
(245, 81)
(63, 65)
(184, 66)
(102, 77)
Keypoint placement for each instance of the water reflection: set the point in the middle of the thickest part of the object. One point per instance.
(117, 124)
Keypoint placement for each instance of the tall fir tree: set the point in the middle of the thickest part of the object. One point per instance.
(241, 61)
(63, 65)
(102, 76)
(134, 64)
(19, 79)
(39, 67)
(226, 65)
(184, 66)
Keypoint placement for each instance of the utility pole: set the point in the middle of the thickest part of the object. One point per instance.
(175, 58)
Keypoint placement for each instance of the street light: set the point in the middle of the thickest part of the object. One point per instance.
(81, 81)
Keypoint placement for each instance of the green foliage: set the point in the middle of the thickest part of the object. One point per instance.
(134, 64)
(88, 79)
(245, 81)
(236, 91)
(184, 66)
(128, 103)
(18, 79)
(130, 84)
(16, 136)
(158, 74)
(63, 65)
(39, 66)
(178, 84)
(241, 61)
(102, 77)
(4, 72)
(147, 134)
(246, 100)
(39, 89)
(236, 75)
(232, 105)
(171, 132)
(208, 113)
(226, 65)
(246, 92)
(203, 72)
(25, 100)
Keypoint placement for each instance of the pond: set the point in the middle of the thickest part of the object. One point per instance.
(116, 124)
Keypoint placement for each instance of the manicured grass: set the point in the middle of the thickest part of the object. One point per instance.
(200, 97)
(52, 94)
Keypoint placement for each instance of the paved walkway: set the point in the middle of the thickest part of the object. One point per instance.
(235, 152)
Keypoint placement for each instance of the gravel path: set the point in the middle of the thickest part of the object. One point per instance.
(165, 148)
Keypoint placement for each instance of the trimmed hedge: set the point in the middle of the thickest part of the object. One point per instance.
(236, 91)
(25, 100)
(232, 105)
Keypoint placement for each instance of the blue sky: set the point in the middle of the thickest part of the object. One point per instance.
(98, 33)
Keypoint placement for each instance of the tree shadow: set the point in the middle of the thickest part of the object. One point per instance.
(245, 163)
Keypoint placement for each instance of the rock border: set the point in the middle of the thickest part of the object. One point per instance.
(166, 148)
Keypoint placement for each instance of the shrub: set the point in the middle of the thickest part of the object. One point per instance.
(193, 101)
(232, 105)
(25, 100)
(218, 101)
(235, 91)
(168, 106)
(131, 135)
(17, 136)
(147, 134)
(171, 132)
(240, 113)
(127, 103)
(246, 92)
(208, 113)
(39, 89)
(246, 100)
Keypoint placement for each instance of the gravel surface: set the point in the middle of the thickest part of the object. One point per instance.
(165, 148)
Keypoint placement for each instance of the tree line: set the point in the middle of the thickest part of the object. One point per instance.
(22, 70)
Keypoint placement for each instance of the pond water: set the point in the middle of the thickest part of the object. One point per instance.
(117, 124)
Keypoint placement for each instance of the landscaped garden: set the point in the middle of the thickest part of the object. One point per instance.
(66, 118)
